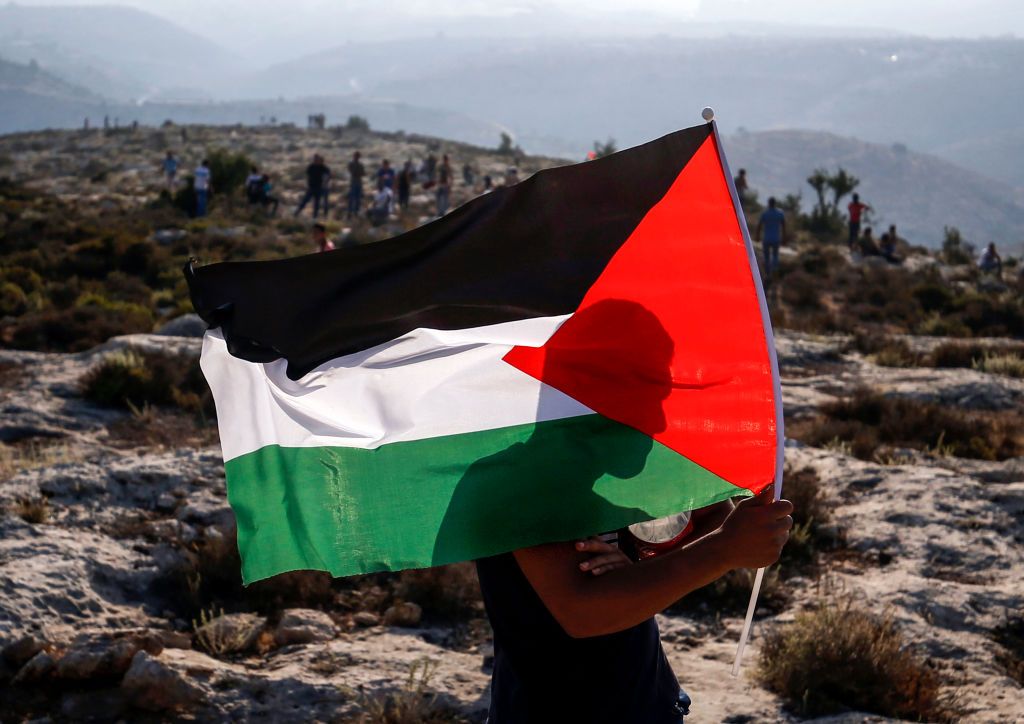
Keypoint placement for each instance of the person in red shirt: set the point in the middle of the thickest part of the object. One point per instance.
(856, 208)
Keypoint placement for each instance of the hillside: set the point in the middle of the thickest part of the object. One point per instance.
(898, 595)
(558, 94)
(115, 51)
(918, 192)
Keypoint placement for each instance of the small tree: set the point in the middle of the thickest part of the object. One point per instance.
(819, 182)
(604, 149)
(357, 123)
(506, 148)
(841, 184)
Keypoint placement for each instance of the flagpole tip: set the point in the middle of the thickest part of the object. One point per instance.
(708, 114)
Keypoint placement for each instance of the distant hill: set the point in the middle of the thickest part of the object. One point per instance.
(115, 51)
(917, 192)
(561, 94)
(33, 98)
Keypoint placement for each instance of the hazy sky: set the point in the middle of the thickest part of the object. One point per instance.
(922, 17)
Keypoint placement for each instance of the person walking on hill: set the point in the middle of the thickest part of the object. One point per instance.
(856, 209)
(170, 166)
(317, 177)
(771, 232)
(430, 169)
(202, 185)
(468, 177)
(356, 172)
(444, 186)
(404, 185)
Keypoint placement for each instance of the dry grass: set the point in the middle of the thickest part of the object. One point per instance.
(812, 514)
(1010, 365)
(839, 656)
(33, 510)
(415, 703)
(157, 427)
(33, 454)
(866, 421)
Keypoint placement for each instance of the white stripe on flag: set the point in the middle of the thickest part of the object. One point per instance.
(424, 384)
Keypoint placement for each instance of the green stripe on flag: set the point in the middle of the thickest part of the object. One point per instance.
(458, 497)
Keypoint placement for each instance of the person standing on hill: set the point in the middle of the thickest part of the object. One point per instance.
(386, 174)
(317, 178)
(771, 232)
(202, 185)
(990, 261)
(404, 185)
(170, 166)
(742, 188)
(856, 209)
(444, 186)
(356, 172)
(430, 169)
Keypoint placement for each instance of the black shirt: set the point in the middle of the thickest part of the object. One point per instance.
(542, 674)
(315, 175)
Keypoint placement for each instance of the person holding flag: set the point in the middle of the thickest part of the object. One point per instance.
(573, 355)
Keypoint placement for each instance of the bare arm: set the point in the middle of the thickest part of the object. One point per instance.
(586, 606)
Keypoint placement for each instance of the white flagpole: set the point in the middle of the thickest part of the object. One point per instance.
(708, 114)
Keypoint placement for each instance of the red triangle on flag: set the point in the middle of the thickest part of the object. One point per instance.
(670, 339)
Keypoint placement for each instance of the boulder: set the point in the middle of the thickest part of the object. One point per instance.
(406, 614)
(39, 667)
(303, 626)
(21, 650)
(152, 685)
(366, 618)
(104, 656)
(187, 325)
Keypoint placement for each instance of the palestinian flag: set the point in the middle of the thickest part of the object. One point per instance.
(582, 351)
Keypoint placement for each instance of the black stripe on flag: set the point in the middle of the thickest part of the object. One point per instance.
(532, 250)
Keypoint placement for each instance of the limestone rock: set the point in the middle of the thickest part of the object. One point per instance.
(406, 614)
(39, 667)
(19, 651)
(303, 626)
(103, 656)
(366, 618)
(187, 325)
(153, 685)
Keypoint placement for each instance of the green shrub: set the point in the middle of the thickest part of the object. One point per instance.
(839, 656)
(131, 379)
(78, 328)
(228, 170)
(13, 300)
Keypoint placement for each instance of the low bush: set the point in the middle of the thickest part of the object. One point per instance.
(448, 593)
(133, 380)
(839, 656)
(77, 328)
(867, 419)
(1010, 657)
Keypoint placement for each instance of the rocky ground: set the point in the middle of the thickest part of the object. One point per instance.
(90, 628)
(119, 593)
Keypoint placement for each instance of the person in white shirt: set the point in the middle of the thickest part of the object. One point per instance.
(381, 208)
(202, 185)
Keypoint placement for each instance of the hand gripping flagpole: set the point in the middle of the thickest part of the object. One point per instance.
(708, 114)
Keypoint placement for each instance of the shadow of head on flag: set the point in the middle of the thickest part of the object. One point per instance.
(581, 351)
(553, 481)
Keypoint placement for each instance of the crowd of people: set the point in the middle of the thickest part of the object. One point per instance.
(377, 194)
(771, 233)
